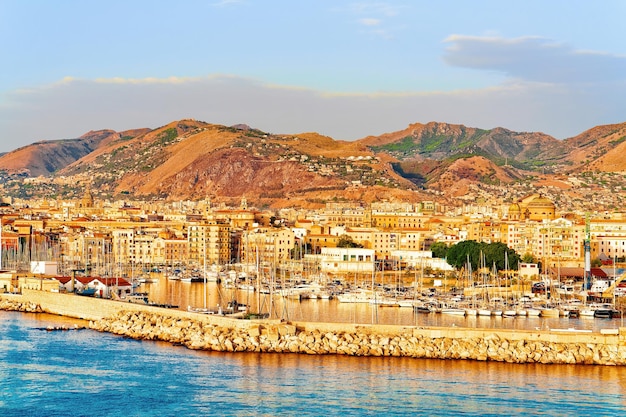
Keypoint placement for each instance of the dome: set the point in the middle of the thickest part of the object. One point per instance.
(541, 202)
(514, 208)
(540, 208)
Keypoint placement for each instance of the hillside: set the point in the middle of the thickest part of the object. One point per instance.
(190, 159)
(599, 149)
(427, 153)
(47, 157)
(440, 141)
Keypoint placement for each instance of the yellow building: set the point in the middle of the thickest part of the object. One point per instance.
(210, 242)
(534, 207)
(268, 246)
(8, 282)
(39, 283)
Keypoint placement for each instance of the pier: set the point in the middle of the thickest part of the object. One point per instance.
(211, 332)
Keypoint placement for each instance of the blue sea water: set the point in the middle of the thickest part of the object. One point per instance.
(85, 373)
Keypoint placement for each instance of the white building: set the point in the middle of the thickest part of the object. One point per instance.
(528, 271)
(421, 259)
(346, 260)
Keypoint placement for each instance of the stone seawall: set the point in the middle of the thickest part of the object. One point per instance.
(481, 345)
(198, 331)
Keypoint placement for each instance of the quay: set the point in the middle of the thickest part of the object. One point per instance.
(217, 333)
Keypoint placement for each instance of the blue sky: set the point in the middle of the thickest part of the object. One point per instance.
(346, 69)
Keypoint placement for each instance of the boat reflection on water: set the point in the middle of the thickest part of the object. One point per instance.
(185, 294)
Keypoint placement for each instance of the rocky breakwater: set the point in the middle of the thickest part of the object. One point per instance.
(15, 305)
(282, 337)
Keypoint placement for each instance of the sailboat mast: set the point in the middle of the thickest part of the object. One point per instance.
(0, 243)
(204, 264)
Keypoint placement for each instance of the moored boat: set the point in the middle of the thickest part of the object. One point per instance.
(549, 312)
(357, 296)
(453, 310)
(533, 312)
(422, 308)
(607, 311)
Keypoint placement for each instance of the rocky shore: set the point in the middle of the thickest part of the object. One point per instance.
(289, 338)
(197, 331)
(25, 307)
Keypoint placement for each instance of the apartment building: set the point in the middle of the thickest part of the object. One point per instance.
(210, 243)
(267, 246)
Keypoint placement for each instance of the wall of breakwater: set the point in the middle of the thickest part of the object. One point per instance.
(207, 332)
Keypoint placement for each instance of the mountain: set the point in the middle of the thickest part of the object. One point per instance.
(190, 159)
(48, 157)
(601, 148)
(440, 141)
(429, 154)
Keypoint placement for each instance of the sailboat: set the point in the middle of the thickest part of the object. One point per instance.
(471, 310)
(484, 309)
(508, 312)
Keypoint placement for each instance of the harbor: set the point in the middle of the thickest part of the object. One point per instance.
(212, 296)
(219, 333)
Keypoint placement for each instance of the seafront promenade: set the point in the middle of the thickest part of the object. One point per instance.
(217, 333)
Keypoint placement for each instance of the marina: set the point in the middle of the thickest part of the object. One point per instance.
(335, 311)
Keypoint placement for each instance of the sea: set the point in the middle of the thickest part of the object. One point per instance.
(87, 373)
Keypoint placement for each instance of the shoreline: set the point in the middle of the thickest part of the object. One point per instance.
(215, 333)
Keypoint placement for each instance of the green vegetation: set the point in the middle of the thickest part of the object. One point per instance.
(466, 142)
(345, 241)
(433, 143)
(493, 253)
(439, 249)
(116, 151)
(617, 141)
(405, 147)
(167, 136)
(489, 178)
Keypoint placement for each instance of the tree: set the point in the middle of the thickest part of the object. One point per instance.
(491, 253)
(495, 254)
(346, 241)
(457, 254)
(596, 262)
(439, 249)
(276, 221)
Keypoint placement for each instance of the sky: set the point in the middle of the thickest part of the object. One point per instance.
(345, 69)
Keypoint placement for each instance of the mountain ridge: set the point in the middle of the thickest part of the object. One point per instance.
(191, 159)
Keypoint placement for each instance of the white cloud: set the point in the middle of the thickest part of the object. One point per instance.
(375, 15)
(369, 22)
(534, 59)
(72, 107)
